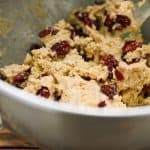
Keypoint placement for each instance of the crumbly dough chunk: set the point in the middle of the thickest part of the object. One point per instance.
(136, 76)
(12, 70)
(96, 58)
(77, 91)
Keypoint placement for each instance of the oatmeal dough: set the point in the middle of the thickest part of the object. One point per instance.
(96, 58)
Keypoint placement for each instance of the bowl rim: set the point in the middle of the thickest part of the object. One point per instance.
(36, 102)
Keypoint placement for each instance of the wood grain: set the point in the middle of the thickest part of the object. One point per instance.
(8, 140)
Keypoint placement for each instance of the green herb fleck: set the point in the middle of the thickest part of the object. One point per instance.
(126, 35)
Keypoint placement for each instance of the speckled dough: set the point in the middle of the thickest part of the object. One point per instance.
(96, 58)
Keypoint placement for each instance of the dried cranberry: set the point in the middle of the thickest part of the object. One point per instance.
(35, 46)
(109, 90)
(48, 31)
(61, 48)
(84, 17)
(75, 31)
(44, 92)
(21, 77)
(54, 31)
(110, 62)
(119, 75)
(123, 20)
(109, 22)
(102, 104)
(110, 75)
(146, 90)
(131, 46)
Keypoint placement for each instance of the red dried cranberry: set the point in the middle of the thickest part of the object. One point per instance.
(109, 90)
(131, 46)
(84, 17)
(110, 62)
(21, 77)
(35, 46)
(54, 31)
(119, 75)
(110, 68)
(48, 31)
(74, 32)
(102, 104)
(61, 48)
(44, 92)
(146, 90)
(109, 22)
(77, 32)
(123, 20)
(110, 75)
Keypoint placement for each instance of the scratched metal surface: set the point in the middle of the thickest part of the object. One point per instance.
(26, 19)
(20, 23)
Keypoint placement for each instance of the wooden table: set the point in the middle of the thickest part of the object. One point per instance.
(9, 141)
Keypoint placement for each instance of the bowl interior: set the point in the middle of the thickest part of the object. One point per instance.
(20, 22)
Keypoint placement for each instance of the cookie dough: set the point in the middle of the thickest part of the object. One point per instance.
(96, 58)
